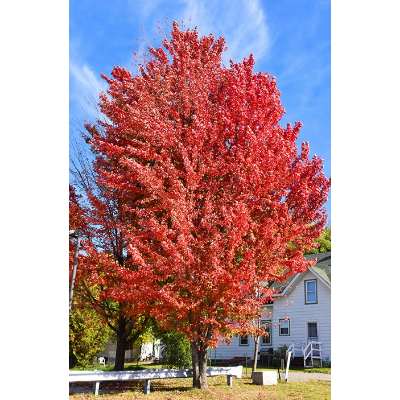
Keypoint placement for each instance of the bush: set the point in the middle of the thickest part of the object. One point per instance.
(176, 351)
(88, 335)
(326, 364)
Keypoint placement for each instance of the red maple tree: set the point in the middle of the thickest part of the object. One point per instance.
(216, 197)
(76, 214)
(101, 258)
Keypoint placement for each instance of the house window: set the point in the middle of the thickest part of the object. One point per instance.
(266, 339)
(244, 340)
(284, 327)
(310, 291)
(312, 330)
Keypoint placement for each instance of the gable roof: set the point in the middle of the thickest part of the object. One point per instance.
(322, 270)
(323, 265)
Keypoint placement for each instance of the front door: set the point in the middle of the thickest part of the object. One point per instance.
(312, 331)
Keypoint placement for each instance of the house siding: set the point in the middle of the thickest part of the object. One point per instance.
(293, 307)
(228, 351)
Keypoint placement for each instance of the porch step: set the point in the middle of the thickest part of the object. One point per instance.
(309, 355)
(312, 355)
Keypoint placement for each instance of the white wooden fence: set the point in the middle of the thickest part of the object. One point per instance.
(147, 375)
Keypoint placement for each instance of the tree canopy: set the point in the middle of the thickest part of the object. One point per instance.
(210, 190)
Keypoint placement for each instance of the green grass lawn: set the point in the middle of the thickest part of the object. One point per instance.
(180, 389)
(324, 370)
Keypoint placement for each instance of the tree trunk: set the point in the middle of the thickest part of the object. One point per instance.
(121, 345)
(199, 363)
(256, 347)
(202, 356)
(195, 366)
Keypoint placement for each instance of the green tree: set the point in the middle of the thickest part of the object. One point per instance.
(324, 242)
(88, 335)
(176, 351)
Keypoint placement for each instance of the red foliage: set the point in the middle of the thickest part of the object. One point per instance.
(76, 215)
(214, 195)
(101, 259)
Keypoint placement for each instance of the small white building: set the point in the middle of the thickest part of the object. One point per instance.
(299, 314)
(145, 351)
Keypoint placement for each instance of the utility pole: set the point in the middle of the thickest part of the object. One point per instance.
(75, 235)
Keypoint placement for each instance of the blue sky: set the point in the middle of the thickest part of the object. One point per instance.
(290, 39)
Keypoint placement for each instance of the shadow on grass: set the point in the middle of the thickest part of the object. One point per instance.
(161, 386)
(120, 387)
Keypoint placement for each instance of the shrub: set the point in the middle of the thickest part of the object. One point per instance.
(176, 351)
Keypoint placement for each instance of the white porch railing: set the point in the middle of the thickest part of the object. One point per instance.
(311, 352)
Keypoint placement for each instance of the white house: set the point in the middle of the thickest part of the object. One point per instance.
(299, 314)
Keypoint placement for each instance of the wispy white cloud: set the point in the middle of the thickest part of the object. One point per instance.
(86, 86)
(145, 7)
(243, 23)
